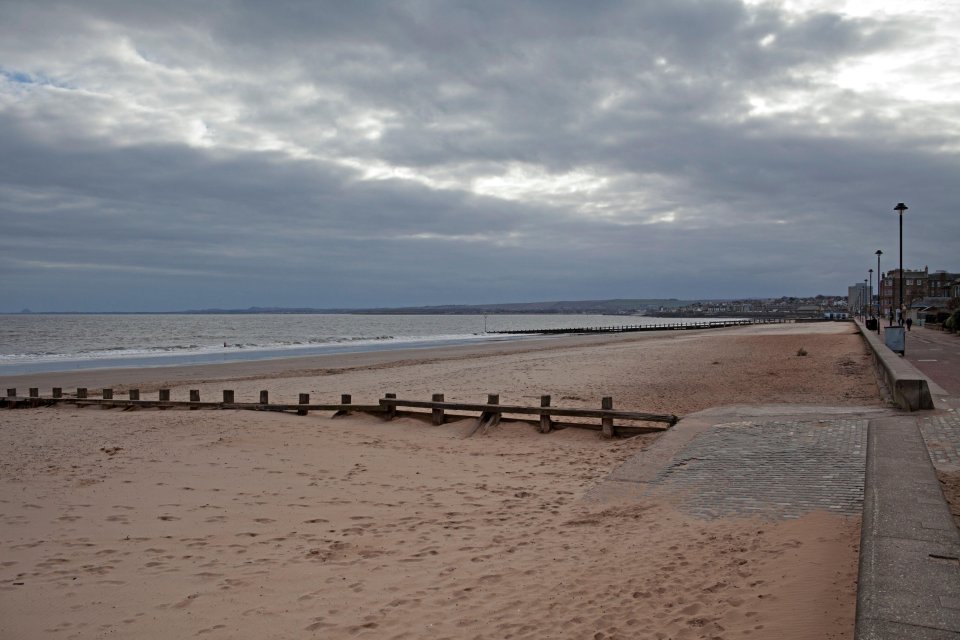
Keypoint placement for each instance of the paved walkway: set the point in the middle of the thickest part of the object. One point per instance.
(936, 354)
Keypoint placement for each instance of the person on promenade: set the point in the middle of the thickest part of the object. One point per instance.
(909, 323)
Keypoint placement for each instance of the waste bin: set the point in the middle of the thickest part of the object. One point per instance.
(872, 324)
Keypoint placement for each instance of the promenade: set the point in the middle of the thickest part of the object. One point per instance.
(784, 461)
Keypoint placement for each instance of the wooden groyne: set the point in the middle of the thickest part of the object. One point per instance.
(388, 407)
(671, 326)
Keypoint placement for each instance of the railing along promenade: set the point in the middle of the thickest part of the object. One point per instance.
(672, 326)
(387, 407)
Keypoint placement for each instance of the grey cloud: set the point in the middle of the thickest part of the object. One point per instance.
(222, 150)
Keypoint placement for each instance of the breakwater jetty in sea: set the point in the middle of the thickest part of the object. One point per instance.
(672, 326)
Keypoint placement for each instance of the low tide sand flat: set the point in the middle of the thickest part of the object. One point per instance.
(222, 524)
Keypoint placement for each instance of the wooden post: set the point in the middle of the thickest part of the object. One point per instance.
(488, 418)
(545, 425)
(58, 392)
(606, 424)
(194, 395)
(81, 393)
(264, 397)
(493, 417)
(134, 394)
(164, 395)
(345, 398)
(11, 393)
(107, 394)
(34, 392)
(437, 412)
(391, 412)
(304, 399)
(228, 396)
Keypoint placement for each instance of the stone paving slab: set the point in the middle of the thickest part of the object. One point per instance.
(775, 467)
(779, 469)
(941, 433)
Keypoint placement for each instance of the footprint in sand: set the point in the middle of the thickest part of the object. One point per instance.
(186, 602)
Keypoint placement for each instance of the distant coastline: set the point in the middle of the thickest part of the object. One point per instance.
(636, 306)
(785, 306)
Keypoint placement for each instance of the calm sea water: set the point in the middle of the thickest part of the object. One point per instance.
(35, 343)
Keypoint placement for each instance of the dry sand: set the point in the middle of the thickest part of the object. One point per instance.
(219, 524)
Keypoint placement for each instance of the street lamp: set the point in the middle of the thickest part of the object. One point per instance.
(870, 292)
(879, 289)
(900, 208)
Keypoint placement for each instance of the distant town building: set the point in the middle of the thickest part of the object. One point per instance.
(925, 294)
(914, 287)
(858, 297)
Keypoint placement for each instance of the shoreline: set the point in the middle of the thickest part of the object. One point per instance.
(232, 356)
(87, 346)
(288, 366)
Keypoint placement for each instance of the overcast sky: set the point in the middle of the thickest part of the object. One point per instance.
(173, 155)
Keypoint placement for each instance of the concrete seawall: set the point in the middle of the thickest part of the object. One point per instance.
(910, 388)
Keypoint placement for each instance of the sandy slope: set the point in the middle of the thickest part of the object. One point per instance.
(172, 524)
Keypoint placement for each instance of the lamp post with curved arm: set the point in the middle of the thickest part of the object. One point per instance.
(900, 208)
(879, 290)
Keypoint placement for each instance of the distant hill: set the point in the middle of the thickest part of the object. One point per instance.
(617, 306)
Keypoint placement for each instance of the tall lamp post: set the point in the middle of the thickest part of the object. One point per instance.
(879, 290)
(870, 292)
(900, 208)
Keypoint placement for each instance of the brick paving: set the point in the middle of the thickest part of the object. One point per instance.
(941, 433)
(776, 469)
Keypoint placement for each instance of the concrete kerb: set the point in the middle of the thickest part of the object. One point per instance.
(909, 579)
(910, 388)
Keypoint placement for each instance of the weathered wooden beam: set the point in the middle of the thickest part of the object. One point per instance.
(514, 409)
(228, 396)
(11, 393)
(34, 392)
(134, 394)
(164, 395)
(107, 394)
(437, 416)
(264, 397)
(58, 392)
(81, 393)
(362, 408)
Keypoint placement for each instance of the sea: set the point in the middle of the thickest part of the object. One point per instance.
(36, 343)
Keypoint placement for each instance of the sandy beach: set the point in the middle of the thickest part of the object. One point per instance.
(223, 524)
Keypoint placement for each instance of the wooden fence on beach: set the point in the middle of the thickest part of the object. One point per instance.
(387, 407)
(669, 326)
